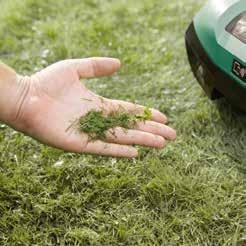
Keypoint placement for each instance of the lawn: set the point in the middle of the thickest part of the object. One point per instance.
(191, 193)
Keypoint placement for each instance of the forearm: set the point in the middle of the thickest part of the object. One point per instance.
(12, 92)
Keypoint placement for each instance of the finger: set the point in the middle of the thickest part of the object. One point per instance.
(110, 149)
(95, 66)
(157, 129)
(135, 108)
(129, 137)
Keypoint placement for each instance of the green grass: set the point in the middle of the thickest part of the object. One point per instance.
(191, 193)
(97, 123)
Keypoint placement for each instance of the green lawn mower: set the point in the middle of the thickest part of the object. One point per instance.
(216, 48)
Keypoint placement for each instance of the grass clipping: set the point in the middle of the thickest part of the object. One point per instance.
(96, 124)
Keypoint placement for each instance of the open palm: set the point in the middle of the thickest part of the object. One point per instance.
(56, 97)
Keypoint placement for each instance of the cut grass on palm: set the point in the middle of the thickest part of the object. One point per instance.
(96, 123)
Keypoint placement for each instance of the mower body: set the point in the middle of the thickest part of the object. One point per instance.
(216, 48)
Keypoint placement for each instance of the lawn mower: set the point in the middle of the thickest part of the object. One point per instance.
(216, 48)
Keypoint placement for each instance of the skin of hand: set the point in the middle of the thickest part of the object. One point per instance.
(44, 105)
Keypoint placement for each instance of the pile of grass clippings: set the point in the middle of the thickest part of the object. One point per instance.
(96, 123)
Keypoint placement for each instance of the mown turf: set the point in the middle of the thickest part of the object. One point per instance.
(191, 193)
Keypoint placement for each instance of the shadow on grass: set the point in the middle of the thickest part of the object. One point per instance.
(233, 122)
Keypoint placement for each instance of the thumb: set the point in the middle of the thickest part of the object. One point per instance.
(95, 66)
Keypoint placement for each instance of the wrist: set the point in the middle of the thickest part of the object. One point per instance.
(13, 90)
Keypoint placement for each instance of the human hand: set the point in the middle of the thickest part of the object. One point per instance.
(44, 105)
